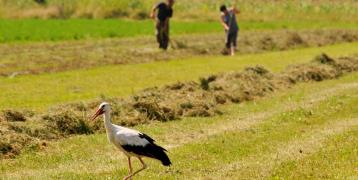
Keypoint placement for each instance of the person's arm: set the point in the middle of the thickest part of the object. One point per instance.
(222, 21)
(152, 13)
(234, 8)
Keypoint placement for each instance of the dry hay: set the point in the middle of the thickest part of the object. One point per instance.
(171, 102)
(202, 98)
(256, 42)
(13, 115)
(14, 138)
(67, 123)
(64, 55)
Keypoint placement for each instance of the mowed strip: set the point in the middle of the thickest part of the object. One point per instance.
(42, 91)
(337, 159)
(261, 166)
(82, 157)
(244, 154)
(248, 120)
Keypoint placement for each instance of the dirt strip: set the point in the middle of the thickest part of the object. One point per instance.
(35, 58)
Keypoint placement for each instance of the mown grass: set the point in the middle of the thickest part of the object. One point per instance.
(335, 161)
(42, 91)
(205, 155)
(74, 29)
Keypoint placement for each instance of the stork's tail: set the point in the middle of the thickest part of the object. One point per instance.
(161, 155)
(165, 160)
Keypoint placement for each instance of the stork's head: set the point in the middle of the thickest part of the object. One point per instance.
(103, 108)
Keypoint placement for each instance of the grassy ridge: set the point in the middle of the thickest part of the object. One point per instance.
(74, 29)
(217, 144)
(41, 91)
(335, 10)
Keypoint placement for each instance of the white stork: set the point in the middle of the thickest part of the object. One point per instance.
(131, 142)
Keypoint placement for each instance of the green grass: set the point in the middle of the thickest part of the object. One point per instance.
(233, 145)
(42, 91)
(335, 161)
(74, 29)
(56, 30)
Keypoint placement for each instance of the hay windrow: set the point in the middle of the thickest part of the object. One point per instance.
(175, 101)
(13, 139)
(21, 59)
(13, 115)
(68, 123)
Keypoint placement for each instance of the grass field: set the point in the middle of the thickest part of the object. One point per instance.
(67, 52)
(18, 59)
(55, 30)
(41, 91)
(29, 30)
(87, 19)
(305, 132)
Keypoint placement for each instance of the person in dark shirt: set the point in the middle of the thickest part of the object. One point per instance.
(162, 12)
(229, 22)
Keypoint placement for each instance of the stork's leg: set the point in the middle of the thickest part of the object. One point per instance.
(130, 169)
(144, 166)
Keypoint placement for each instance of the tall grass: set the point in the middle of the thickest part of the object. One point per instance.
(342, 10)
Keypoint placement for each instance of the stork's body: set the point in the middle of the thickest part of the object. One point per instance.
(131, 142)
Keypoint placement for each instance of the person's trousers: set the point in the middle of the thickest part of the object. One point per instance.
(231, 39)
(162, 33)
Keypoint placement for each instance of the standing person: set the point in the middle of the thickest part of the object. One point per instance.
(229, 22)
(164, 13)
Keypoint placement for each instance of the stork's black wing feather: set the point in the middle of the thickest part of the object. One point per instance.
(149, 150)
(144, 136)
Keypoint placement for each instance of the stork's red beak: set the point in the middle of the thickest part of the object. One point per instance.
(98, 113)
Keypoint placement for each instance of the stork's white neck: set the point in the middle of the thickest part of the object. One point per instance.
(107, 121)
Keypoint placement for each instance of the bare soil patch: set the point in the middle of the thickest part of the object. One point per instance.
(35, 58)
(201, 98)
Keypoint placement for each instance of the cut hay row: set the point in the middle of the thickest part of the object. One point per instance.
(37, 58)
(172, 102)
